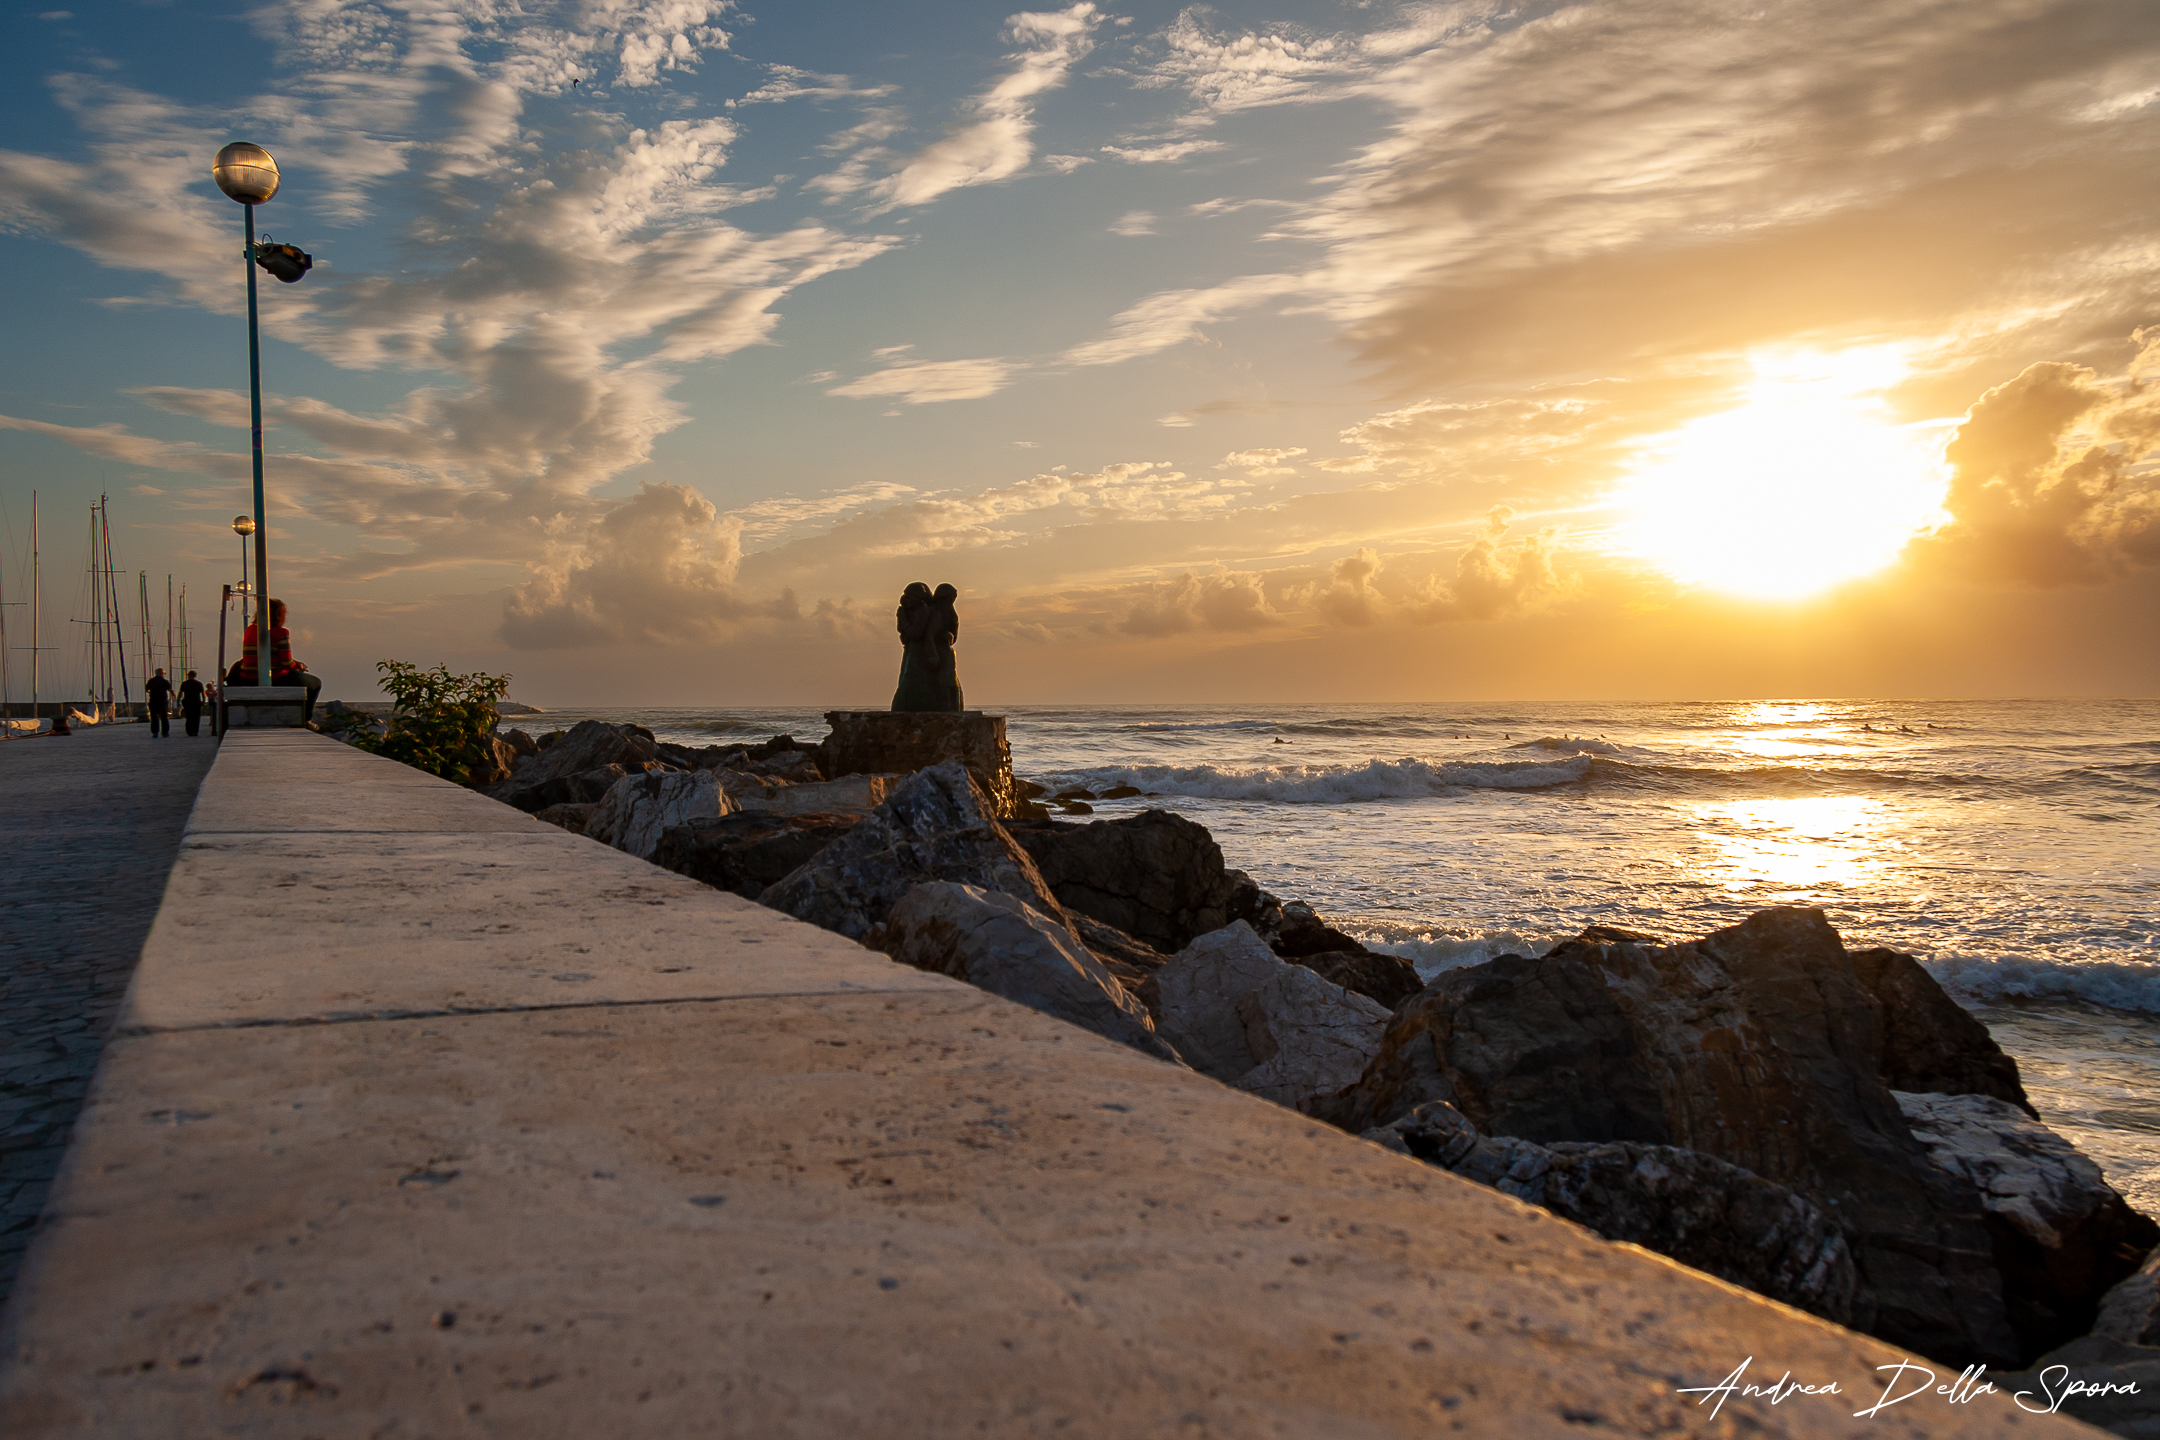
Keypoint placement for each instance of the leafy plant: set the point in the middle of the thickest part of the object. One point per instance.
(442, 723)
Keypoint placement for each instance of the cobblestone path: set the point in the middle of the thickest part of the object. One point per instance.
(89, 828)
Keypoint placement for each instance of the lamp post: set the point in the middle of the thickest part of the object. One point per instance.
(244, 526)
(248, 174)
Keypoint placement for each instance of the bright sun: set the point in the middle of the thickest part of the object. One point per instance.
(1807, 485)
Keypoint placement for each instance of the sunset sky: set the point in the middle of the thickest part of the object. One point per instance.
(1354, 351)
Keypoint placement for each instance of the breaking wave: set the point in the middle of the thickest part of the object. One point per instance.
(1325, 785)
(2117, 984)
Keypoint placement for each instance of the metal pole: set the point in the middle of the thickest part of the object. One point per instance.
(37, 596)
(263, 674)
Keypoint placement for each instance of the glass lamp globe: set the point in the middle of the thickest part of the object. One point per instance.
(243, 524)
(245, 172)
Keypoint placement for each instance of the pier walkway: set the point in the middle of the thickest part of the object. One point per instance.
(423, 1118)
(89, 827)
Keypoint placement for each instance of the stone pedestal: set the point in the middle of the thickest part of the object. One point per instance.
(262, 706)
(888, 742)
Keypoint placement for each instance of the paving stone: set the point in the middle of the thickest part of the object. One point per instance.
(93, 826)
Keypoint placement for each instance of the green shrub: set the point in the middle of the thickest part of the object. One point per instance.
(442, 723)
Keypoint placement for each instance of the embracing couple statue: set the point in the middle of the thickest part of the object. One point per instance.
(929, 626)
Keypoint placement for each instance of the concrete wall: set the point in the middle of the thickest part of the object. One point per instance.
(424, 1118)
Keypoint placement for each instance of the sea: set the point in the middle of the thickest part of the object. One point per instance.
(2012, 846)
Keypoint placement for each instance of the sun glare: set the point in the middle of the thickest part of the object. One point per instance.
(1808, 484)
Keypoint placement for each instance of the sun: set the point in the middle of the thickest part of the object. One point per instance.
(1808, 484)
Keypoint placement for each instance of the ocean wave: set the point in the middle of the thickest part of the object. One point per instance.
(1323, 785)
(2117, 984)
(1432, 951)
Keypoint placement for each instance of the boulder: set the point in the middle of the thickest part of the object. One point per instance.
(2117, 1386)
(1692, 1207)
(748, 850)
(936, 825)
(521, 743)
(1293, 931)
(887, 742)
(1757, 1045)
(1235, 1010)
(639, 807)
(569, 817)
(551, 776)
(2131, 1311)
(1132, 961)
(1386, 979)
(1156, 876)
(2063, 1239)
(489, 760)
(1931, 1044)
(1001, 944)
(851, 794)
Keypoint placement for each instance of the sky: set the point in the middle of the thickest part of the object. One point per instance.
(1633, 349)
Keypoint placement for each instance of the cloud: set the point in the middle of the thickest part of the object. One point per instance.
(1491, 581)
(788, 82)
(994, 139)
(1134, 222)
(1161, 153)
(1262, 464)
(929, 382)
(1172, 317)
(1066, 164)
(1350, 598)
(657, 568)
(1227, 73)
(1227, 601)
(2053, 478)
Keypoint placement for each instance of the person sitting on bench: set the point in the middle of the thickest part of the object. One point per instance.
(287, 670)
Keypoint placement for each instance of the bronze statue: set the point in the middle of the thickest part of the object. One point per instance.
(929, 626)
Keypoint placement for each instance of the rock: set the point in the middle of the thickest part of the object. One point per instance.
(851, 794)
(550, 776)
(569, 817)
(1156, 876)
(1931, 1044)
(1692, 1207)
(998, 943)
(1236, 1011)
(744, 789)
(488, 761)
(519, 742)
(746, 851)
(935, 825)
(2063, 1238)
(2119, 1386)
(1297, 932)
(1132, 961)
(1386, 979)
(639, 807)
(2131, 1311)
(885, 742)
(799, 767)
(1757, 1045)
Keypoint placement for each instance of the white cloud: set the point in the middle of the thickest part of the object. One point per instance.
(929, 382)
(1225, 73)
(787, 82)
(1171, 317)
(1163, 153)
(994, 142)
(1262, 464)
(1066, 164)
(1134, 222)
(1225, 601)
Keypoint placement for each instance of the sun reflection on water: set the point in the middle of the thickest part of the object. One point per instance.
(1813, 843)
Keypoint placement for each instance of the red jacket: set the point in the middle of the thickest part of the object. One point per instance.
(281, 656)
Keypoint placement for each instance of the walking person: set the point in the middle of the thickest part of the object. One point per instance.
(158, 691)
(191, 703)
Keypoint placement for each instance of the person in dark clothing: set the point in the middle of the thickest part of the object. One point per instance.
(158, 690)
(191, 702)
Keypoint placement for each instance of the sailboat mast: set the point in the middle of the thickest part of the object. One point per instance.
(112, 590)
(170, 663)
(37, 594)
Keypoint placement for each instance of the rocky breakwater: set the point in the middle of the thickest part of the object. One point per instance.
(1825, 1127)
(889, 742)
